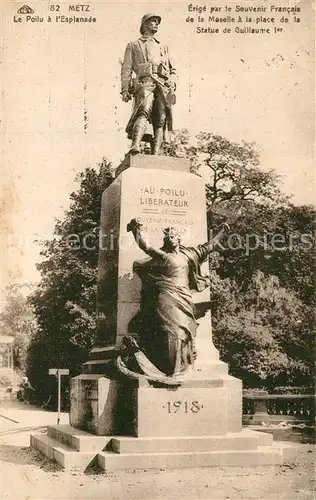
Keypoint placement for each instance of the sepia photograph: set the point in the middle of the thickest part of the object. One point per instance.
(157, 319)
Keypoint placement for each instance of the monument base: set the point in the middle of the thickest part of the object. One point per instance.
(74, 448)
(124, 424)
(200, 406)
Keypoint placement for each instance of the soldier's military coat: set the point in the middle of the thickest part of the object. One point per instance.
(139, 71)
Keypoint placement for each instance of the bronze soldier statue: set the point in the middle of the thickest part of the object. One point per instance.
(166, 323)
(147, 75)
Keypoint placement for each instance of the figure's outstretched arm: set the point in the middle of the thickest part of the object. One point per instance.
(218, 237)
(204, 250)
(142, 241)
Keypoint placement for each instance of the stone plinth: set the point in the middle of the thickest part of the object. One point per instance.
(186, 411)
(149, 161)
(161, 192)
(93, 404)
(200, 406)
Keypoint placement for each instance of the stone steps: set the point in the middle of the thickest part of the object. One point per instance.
(263, 438)
(75, 448)
(135, 445)
(175, 460)
(78, 439)
(62, 454)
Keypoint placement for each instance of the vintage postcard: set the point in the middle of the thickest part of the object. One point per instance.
(150, 102)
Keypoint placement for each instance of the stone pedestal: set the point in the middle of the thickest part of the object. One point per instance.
(197, 408)
(161, 192)
(200, 406)
(93, 404)
(123, 423)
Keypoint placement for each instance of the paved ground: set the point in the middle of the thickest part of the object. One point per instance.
(27, 475)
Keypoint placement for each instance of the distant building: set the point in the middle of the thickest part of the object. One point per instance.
(6, 351)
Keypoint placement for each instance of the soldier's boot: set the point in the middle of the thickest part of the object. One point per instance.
(138, 132)
(158, 138)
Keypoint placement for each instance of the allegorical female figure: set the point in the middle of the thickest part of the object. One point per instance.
(166, 321)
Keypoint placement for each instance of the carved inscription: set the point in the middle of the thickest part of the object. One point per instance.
(183, 406)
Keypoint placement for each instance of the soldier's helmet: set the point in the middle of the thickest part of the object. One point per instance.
(146, 17)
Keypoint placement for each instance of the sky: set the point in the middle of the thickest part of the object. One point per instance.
(62, 111)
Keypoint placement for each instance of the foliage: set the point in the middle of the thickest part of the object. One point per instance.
(64, 301)
(274, 240)
(260, 334)
(231, 170)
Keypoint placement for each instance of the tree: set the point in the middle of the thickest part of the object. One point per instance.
(260, 334)
(18, 320)
(231, 170)
(275, 240)
(294, 262)
(64, 301)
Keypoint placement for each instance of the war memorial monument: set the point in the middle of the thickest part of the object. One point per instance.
(154, 393)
